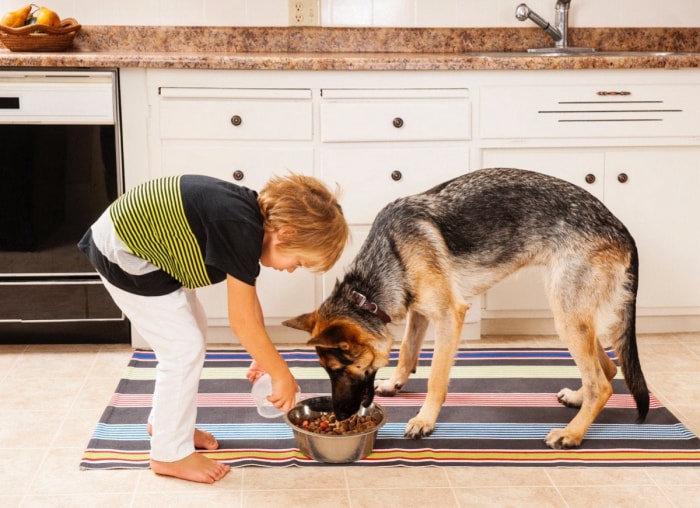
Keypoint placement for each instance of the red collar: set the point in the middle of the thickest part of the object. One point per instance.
(363, 303)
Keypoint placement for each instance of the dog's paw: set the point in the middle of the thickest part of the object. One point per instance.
(417, 428)
(386, 388)
(570, 398)
(559, 439)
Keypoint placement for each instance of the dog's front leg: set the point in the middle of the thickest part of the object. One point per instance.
(447, 330)
(416, 326)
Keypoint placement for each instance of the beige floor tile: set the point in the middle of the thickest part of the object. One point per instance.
(84, 501)
(10, 501)
(200, 498)
(497, 476)
(40, 393)
(510, 497)
(406, 497)
(335, 498)
(54, 364)
(267, 478)
(574, 477)
(29, 429)
(661, 358)
(9, 355)
(674, 475)
(17, 468)
(619, 496)
(59, 474)
(683, 497)
(396, 477)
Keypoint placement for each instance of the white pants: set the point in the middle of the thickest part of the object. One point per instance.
(175, 327)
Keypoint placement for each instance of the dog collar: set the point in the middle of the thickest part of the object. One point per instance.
(363, 303)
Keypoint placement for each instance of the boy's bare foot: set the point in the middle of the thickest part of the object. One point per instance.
(202, 439)
(195, 468)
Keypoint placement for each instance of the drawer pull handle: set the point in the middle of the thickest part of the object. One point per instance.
(396, 175)
(398, 122)
(238, 175)
(236, 120)
(606, 93)
(590, 178)
(622, 178)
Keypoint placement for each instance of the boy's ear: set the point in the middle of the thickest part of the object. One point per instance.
(286, 232)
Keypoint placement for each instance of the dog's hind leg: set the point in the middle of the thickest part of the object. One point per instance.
(416, 326)
(579, 333)
(580, 290)
(574, 398)
(447, 333)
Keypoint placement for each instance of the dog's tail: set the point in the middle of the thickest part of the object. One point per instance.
(627, 351)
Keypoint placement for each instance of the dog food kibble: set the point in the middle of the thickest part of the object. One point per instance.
(327, 424)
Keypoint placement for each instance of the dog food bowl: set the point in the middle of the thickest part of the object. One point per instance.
(335, 448)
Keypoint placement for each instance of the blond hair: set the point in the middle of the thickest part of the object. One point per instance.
(307, 217)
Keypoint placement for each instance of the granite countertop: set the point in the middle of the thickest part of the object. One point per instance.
(319, 48)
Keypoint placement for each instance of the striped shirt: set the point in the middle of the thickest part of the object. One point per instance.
(151, 221)
(195, 229)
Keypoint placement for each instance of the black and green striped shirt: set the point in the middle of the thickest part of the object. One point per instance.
(196, 229)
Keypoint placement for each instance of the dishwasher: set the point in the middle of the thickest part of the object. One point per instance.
(60, 167)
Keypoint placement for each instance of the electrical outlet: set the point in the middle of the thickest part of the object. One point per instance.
(304, 12)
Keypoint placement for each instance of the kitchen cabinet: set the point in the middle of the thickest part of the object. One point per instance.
(625, 153)
(656, 205)
(382, 135)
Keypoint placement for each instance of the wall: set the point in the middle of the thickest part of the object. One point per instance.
(408, 13)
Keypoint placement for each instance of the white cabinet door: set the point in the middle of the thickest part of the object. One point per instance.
(370, 178)
(524, 290)
(655, 193)
(656, 200)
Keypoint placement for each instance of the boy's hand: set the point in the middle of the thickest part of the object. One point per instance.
(254, 372)
(284, 393)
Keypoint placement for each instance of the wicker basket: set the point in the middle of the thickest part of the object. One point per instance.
(40, 37)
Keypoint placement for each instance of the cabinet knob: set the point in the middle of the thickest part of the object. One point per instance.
(238, 175)
(236, 120)
(622, 177)
(398, 122)
(590, 178)
(396, 175)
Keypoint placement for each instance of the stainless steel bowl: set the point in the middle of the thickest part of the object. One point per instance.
(328, 447)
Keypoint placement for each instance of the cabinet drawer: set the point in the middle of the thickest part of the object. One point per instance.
(395, 115)
(617, 110)
(371, 178)
(251, 167)
(235, 114)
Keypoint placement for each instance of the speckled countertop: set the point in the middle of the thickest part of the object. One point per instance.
(319, 48)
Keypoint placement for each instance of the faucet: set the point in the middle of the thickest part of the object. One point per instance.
(558, 33)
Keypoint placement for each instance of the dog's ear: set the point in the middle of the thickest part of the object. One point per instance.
(305, 322)
(325, 341)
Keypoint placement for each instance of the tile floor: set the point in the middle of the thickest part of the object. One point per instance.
(51, 396)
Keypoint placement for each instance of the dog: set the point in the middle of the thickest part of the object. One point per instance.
(427, 254)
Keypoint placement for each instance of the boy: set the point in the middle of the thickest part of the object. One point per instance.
(160, 240)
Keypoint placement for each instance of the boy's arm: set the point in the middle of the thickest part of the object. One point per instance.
(246, 321)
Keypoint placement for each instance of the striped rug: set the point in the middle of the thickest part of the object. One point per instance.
(500, 407)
